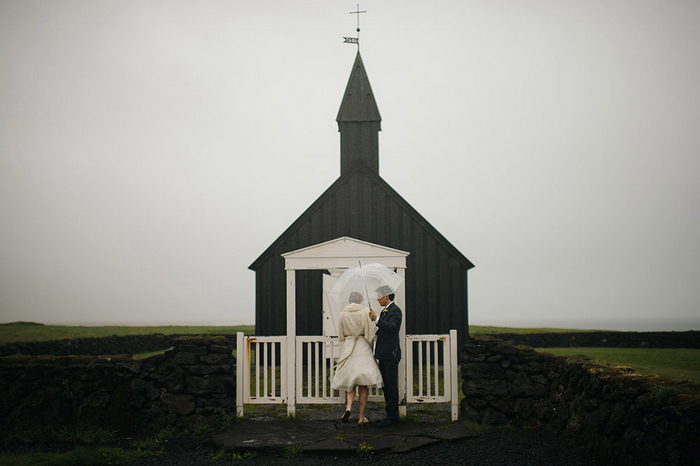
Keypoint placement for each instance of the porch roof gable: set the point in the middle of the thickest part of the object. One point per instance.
(343, 253)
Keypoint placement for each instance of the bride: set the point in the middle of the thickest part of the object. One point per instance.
(356, 365)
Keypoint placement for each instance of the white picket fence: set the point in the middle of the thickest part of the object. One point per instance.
(434, 375)
(320, 353)
(263, 367)
(264, 381)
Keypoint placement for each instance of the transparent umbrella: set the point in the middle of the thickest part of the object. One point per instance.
(365, 280)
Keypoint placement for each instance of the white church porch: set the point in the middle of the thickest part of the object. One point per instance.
(307, 384)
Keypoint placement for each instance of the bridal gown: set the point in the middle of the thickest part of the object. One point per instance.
(356, 364)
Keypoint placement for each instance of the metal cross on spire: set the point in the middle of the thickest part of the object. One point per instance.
(355, 40)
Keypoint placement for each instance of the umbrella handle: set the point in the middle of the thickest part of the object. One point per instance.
(369, 298)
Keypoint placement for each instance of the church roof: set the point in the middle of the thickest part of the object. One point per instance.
(358, 101)
(360, 170)
(360, 203)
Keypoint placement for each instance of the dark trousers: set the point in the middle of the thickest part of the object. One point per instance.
(390, 373)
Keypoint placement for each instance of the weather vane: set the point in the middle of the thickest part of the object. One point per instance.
(355, 40)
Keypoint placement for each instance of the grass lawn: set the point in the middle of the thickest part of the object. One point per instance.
(672, 363)
(488, 330)
(29, 331)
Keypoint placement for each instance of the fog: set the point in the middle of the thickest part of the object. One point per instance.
(150, 151)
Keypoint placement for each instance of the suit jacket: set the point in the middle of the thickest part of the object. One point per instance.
(389, 324)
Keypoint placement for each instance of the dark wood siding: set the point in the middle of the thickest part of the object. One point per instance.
(364, 207)
(309, 302)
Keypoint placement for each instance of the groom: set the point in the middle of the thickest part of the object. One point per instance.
(388, 351)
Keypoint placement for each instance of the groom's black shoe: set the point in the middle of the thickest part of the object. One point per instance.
(387, 421)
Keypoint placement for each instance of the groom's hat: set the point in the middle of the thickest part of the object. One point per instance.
(384, 290)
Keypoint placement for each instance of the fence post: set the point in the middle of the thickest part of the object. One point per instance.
(291, 342)
(409, 370)
(240, 374)
(401, 302)
(455, 374)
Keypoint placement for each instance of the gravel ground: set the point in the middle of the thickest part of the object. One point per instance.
(517, 447)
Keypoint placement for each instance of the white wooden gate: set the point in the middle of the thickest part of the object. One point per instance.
(262, 366)
(435, 380)
(315, 375)
(264, 381)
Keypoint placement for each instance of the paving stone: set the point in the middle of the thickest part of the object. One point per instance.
(265, 434)
(410, 428)
(331, 445)
(320, 430)
(378, 442)
(411, 443)
(453, 432)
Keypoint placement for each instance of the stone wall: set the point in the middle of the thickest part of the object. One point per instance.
(192, 384)
(621, 418)
(690, 339)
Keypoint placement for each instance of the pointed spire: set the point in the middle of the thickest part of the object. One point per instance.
(358, 102)
(359, 121)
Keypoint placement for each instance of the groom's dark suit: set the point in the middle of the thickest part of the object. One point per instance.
(388, 352)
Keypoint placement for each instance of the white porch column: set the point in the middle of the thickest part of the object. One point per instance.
(401, 302)
(291, 342)
(242, 364)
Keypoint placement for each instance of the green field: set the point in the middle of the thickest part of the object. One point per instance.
(29, 331)
(487, 330)
(672, 363)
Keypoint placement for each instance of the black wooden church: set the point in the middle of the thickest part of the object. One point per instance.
(361, 205)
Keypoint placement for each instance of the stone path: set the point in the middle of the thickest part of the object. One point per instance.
(318, 429)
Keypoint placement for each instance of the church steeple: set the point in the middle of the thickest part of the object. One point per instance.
(359, 121)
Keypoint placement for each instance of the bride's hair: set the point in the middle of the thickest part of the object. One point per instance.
(355, 297)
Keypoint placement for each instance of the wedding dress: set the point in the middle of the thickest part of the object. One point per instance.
(356, 364)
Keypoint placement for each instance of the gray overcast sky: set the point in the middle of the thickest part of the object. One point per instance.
(151, 150)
